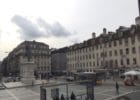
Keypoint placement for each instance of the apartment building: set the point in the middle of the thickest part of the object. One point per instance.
(58, 61)
(37, 52)
(110, 50)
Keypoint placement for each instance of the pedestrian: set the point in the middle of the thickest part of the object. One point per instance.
(62, 97)
(73, 97)
(117, 87)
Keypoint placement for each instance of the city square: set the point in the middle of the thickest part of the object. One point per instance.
(106, 91)
(59, 53)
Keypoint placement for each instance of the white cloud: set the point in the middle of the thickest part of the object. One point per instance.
(30, 30)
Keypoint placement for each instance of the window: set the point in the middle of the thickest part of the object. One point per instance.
(133, 40)
(127, 61)
(90, 64)
(87, 64)
(93, 56)
(96, 47)
(106, 63)
(80, 57)
(97, 55)
(93, 63)
(138, 37)
(121, 52)
(86, 49)
(83, 57)
(109, 44)
(89, 56)
(116, 62)
(126, 41)
(97, 63)
(133, 50)
(110, 53)
(83, 64)
(102, 54)
(121, 61)
(127, 50)
(102, 63)
(115, 52)
(134, 61)
(86, 56)
(100, 46)
(120, 41)
(105, 54)
(115, 43)
(89, 49)
(105, 45)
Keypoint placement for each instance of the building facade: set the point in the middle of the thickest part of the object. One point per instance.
(37, 52)
(58, 61)
(110, 50)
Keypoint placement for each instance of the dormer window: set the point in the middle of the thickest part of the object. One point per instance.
(126, 41)
(120, 34)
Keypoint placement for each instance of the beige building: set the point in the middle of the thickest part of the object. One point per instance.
(37, 52)
(110, 50)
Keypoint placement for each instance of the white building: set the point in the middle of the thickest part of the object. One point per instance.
(38, 52)
(110, 50)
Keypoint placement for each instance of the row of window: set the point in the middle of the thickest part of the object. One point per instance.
(109, 44)
(103, 54)
(109, 63)
(42, 68)
(115, 52)
(35, 46)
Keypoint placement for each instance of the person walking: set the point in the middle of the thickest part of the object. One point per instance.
(117, 87)
(72, 97)
(62, 97)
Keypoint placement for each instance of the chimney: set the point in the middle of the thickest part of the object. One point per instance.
(104, 31)
(93, 35)
(137, 20)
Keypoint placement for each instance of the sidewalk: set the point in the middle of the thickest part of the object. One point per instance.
(11, 85)
(120, 82)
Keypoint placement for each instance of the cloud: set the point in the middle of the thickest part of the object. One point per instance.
(28, 29)
(56, 29)
(33, 30)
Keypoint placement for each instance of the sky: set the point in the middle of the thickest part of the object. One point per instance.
(60, 23)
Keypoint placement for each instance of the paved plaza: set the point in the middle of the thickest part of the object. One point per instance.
(102, 92)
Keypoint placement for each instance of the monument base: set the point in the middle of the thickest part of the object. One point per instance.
(27, 72)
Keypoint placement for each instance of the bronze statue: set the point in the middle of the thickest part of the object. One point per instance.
(28, 52)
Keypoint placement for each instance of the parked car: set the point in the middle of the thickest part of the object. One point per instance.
(128, 81)
(70, 78)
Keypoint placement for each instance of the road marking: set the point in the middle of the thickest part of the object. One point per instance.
(121, 95)
(104, 94)
(12, 95)
(104, 91)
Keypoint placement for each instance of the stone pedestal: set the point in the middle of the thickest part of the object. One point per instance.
(27, 72)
